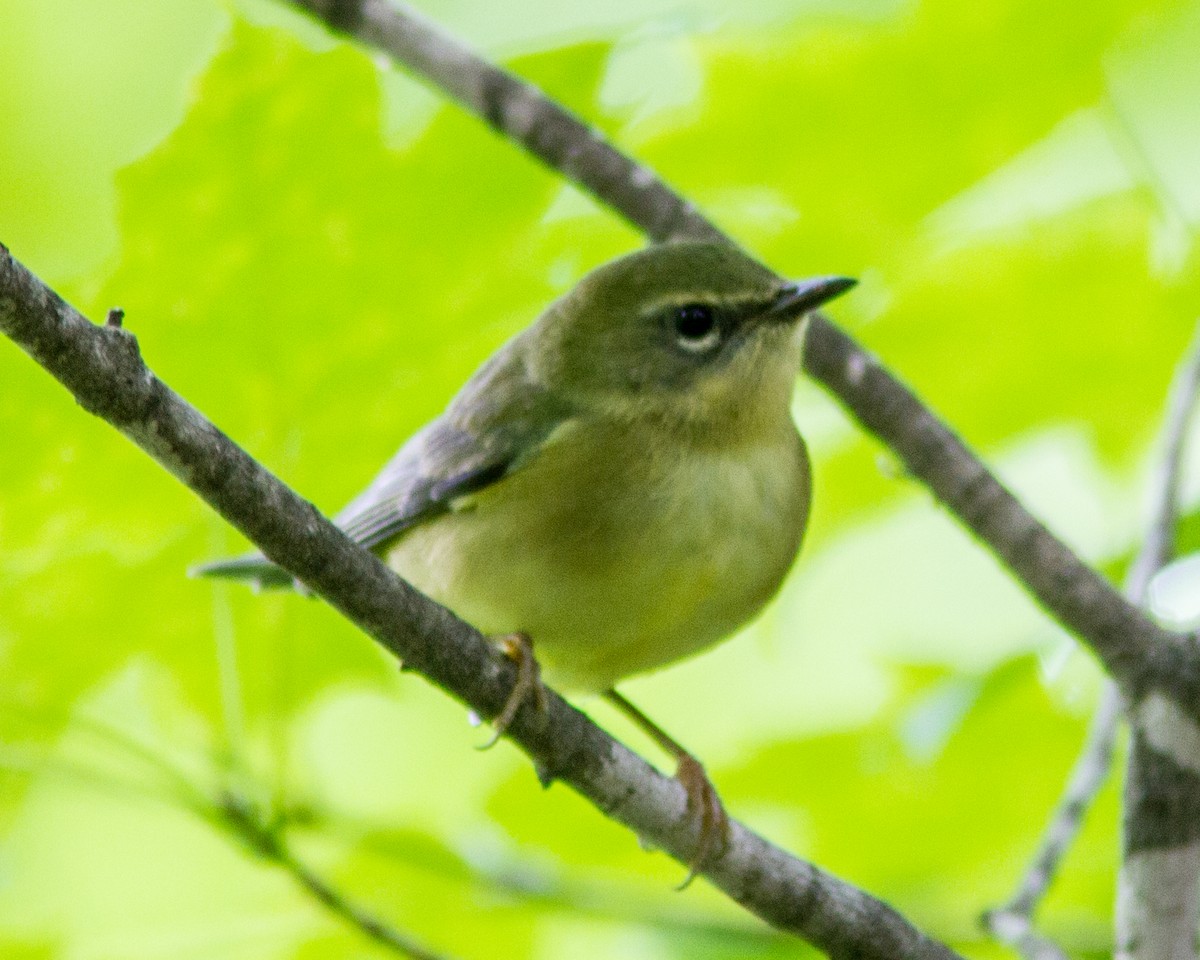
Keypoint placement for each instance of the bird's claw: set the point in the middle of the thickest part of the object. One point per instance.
(518, 648)
(702, 801)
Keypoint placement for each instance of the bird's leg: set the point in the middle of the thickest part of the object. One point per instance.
(518, 648)
(702, 798)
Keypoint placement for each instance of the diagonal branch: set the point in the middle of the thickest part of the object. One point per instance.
(102, 367)
(1085, 603)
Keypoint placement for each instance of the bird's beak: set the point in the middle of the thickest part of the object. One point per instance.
(801, 296)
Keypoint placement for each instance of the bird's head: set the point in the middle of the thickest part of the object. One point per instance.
(695, 334)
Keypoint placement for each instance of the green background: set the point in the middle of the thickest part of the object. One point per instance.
(317, 251)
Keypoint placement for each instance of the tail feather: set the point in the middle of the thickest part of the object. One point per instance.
(253, 568)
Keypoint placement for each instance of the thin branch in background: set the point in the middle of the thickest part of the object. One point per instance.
(33, 762)
(170, 781)
(267, 841)
(367, 923)
(1016, 931)
(231, 815)
(1160, 540)
(1012, 923)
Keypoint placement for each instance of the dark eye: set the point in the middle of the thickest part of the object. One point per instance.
(696, 328)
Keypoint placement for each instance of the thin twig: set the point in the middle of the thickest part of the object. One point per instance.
(1159, 545)
(1088, 776)
(267, 841)
(1013, 922)
(356, 916)
(103, 369)
(1015, 918)
(522, 880)
(233, 814)
(30, 761)
(1016, 930)
(171, 781)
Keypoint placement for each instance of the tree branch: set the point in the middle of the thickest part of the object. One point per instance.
(1126, 641)
(103, 369)
(1121, 635)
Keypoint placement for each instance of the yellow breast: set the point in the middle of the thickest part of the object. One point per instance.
(617, 553)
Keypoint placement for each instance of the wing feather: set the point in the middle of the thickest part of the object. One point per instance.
(496, 424)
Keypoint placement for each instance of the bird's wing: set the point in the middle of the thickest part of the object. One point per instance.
(497, 424)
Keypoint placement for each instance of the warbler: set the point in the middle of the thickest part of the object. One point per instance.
(621, 485)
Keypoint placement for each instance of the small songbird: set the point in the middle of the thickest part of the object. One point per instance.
(620, 486)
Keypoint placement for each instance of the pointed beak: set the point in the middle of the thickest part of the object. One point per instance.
(802, 296)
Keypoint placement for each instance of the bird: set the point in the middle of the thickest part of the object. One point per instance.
(619, 487)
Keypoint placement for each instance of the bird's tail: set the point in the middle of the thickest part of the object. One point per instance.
(253, 569)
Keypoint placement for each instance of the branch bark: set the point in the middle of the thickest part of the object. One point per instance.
(102, 367)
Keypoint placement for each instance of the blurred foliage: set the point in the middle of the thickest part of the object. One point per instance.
(316, 253)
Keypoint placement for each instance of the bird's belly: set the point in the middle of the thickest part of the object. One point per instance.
(626, 577)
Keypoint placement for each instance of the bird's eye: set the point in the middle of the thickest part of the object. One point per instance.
(696, 328)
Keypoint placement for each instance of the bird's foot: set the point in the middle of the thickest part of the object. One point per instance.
(704, 803)
(518, 648)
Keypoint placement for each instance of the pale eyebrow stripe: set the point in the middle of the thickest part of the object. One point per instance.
(737, 304)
